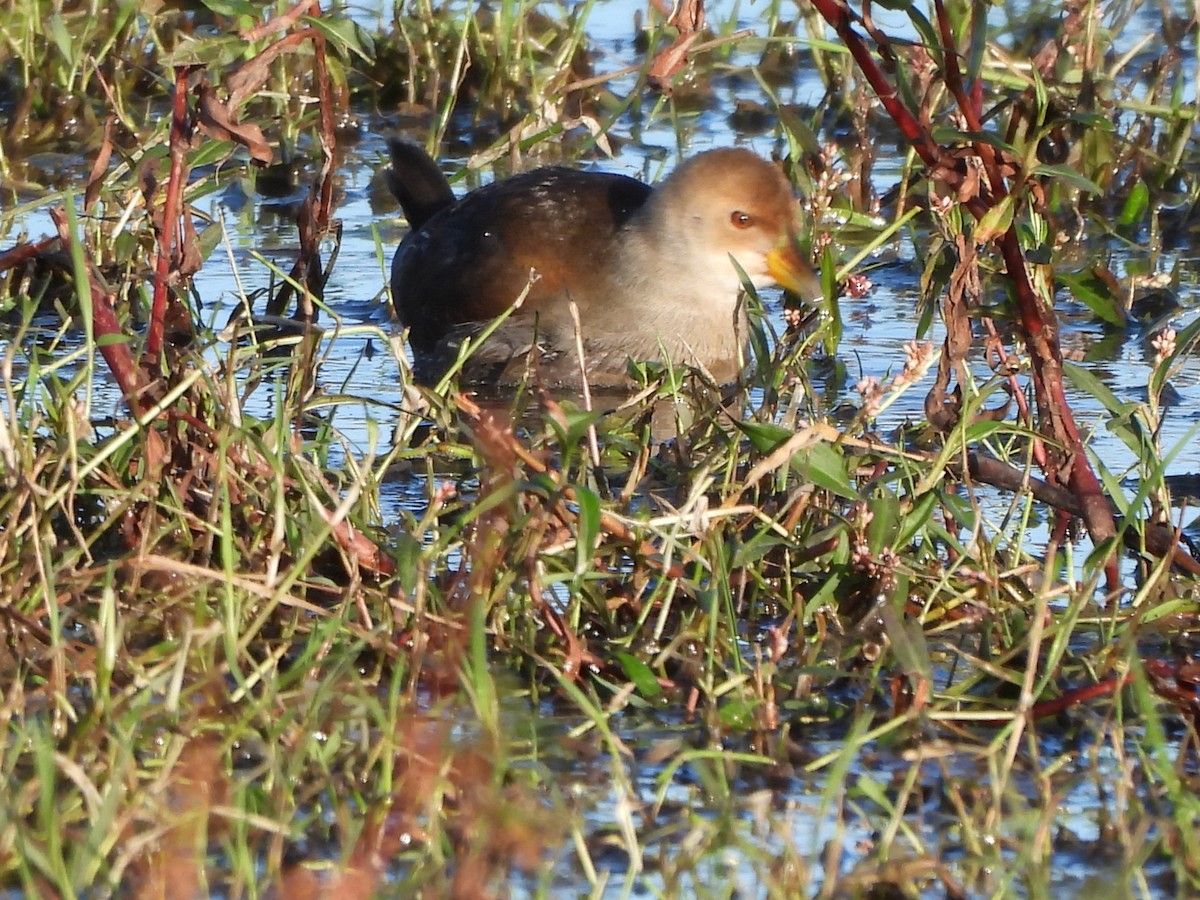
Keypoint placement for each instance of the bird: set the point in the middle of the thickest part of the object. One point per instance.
(651, 270)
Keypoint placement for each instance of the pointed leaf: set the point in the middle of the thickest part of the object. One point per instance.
(1094, 292)
(640, 674)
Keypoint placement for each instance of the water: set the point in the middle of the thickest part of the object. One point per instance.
(261, 234)
(359, 363)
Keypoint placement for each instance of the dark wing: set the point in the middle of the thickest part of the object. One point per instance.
(469, 262)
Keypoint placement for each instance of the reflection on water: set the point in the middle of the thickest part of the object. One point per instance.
(363, 377)
(259, 235)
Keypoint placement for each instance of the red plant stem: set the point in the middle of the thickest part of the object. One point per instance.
(837, 14)
(1038, 447)
(966, 105)
(1075, 696)
(283, 20)
(180, 135)
(22, 253)
(1046, 360)
(1071, 698)
(106, 329)
(1045, 354)
(321, 76)
(283, 44)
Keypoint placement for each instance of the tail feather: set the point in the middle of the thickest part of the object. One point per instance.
(417, 182)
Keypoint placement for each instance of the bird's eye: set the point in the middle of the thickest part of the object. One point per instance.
(739, 219)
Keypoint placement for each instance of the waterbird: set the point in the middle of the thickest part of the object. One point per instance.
(655, 273)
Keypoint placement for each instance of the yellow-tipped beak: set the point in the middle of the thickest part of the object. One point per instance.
(793, 273)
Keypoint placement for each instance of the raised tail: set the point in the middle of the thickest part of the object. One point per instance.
(417, 182)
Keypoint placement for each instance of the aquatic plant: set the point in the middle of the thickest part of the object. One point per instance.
(584, 652)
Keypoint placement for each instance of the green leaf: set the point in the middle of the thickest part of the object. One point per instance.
(1041, 96)
(234, 8)
(765, 436)
(1096, 294)
(210, 152)
(916, 518)
(1114, 491)
(737, 713)
(909, 647)
(885, 521)
(873, 791)
(833, 312)
(1125, 423)
(981, 430)
(577, 420)
(208, 240)
(758, 546)
(944, 134)
(819, 462)
(57, 30)
(959, 507)
(640, 674)
(825, 467)
(344, 35)
(221, 52)
(408, 548)
(979, 41)
(1135, 207)
(996, 221)
(1092, 122)
(1184, 608)
(1069, 175)
(589, 528)
(939, 266)
(1085, 380)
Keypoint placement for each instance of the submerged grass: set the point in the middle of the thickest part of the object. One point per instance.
(690, 644)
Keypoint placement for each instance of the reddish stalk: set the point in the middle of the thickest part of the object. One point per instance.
(1036, 318)
(316, 214)
(321, 76)
(22, 253)
(282, 21)
(181, 130)
(106, 329)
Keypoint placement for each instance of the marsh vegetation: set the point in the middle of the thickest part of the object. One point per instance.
(274, 628)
